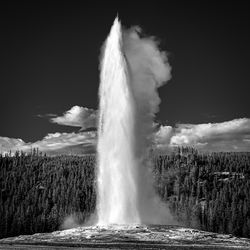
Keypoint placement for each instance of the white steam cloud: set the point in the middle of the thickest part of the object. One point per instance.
(148, 70)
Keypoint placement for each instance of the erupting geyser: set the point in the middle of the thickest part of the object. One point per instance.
(132, 68)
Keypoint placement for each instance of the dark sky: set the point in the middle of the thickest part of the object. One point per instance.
(49, 56)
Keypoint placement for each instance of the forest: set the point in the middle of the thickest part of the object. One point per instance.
(208, 191)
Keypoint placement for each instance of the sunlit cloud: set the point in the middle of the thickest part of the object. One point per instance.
(163, 135)
(10, 144)
(82, 141)
(231, 135)
(51, 143)
(77, 117)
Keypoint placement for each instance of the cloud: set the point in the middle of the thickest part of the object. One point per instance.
(77, 117)
(10, 144)
(53, 143)
(231, 135)
(191, 134)
(47, 115)
(163, 135)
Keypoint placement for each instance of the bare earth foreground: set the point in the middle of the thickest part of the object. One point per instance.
(126, 237)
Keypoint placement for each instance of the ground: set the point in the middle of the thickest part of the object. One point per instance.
(126, 237)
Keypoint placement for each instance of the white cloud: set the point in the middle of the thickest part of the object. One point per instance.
(52, 135)
(59, 140)
(225, 136)
(52, 142)
(163, 135)
(194, 133)
(77, 117)
(10, 144)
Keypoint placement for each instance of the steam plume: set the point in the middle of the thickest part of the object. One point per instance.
(132, 68)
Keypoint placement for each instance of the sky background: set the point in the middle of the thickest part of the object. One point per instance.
(49, 64)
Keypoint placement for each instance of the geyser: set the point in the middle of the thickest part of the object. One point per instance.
(132, 68)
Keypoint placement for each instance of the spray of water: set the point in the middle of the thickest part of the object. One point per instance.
(132, 68)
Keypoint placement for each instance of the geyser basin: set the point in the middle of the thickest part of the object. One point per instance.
(128, 237)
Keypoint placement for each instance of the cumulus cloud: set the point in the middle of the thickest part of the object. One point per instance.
(231, 135)
(163, 135)
(191, 134)
(54, 141)
(83, 142)
(10, 144)
(77, 117)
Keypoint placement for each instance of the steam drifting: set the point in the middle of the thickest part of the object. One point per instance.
(132, 68)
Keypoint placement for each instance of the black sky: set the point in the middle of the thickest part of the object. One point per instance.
(49, 56)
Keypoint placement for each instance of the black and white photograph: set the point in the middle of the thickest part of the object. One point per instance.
(124, 125)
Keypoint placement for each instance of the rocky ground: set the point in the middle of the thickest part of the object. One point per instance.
(126, 237)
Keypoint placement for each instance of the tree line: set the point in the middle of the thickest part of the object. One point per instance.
(205, 191)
